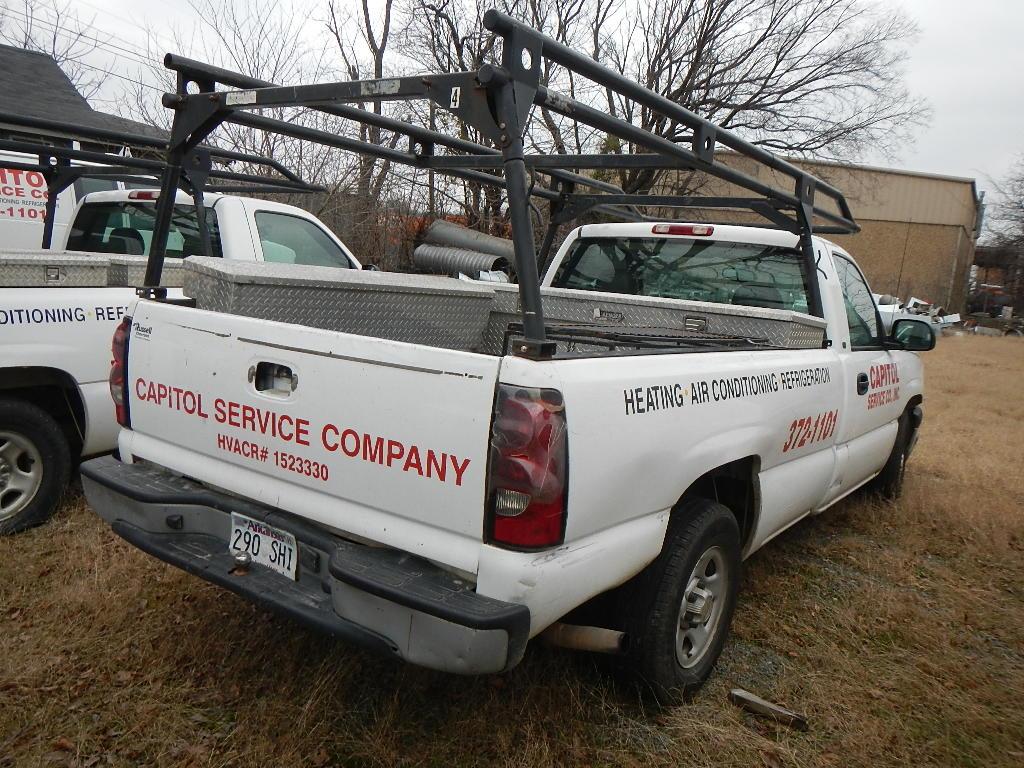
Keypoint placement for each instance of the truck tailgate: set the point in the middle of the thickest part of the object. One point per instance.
(380, 440)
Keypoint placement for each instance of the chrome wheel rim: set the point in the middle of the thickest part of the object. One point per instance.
(21, 473)
(700, 611)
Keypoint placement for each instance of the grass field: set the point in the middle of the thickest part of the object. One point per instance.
(898, 630)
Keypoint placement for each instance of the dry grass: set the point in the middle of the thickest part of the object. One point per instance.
(898, 629)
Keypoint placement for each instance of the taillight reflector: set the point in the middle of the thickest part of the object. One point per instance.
(143, 194)
(119, 371)
(528, 471)
(693, 230)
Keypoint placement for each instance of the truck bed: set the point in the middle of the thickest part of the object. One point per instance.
(467, 316)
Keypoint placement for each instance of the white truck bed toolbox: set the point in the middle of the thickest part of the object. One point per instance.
(76, 269)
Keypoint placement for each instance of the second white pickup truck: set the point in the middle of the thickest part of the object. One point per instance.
(59, 308)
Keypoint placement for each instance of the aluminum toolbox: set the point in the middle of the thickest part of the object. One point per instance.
(457, 314)
(76, 269)
(421, 309)
(52, 269)
(130, 271)
(781, 328)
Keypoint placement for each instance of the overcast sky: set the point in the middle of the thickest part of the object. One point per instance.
(968, 62)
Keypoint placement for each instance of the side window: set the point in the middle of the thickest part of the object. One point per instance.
(860, 306)
(293, 240)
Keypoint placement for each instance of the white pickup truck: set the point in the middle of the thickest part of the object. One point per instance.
(367, 452)
(59, 308)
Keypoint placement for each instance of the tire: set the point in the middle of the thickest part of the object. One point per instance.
(35, 465)
(667, 652)
(889, 482)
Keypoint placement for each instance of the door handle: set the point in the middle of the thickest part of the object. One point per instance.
(862, 383)
(273, 379)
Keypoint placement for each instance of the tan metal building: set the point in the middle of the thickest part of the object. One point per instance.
(918, 230)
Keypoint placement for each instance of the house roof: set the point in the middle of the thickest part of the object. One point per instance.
(36, 87)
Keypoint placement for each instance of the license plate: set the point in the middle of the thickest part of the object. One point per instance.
(267, 546)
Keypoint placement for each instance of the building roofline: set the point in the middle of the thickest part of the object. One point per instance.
(25, 50)
(882, 169)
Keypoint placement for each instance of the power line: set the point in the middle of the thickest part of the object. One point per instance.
(137, 26)
(128, 47)
(56, 30)
(53, 27)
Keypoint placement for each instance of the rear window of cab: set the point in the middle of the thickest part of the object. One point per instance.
(719, 272)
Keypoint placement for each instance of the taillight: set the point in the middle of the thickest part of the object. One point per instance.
(528, 470)
(691, 230)
(119, 371)
(144, 194)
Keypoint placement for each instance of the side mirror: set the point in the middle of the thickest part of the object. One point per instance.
(371, 268)
(913, 335)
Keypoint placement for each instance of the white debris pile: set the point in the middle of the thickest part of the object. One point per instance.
(891, 309)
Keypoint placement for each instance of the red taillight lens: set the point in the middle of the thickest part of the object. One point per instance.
(119, 371)
(144, 194)
(528, 468)
(691, 230)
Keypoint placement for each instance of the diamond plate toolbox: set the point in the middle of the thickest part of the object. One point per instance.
(781, 328)
(77, 269)
(421, 309)
(457, 314)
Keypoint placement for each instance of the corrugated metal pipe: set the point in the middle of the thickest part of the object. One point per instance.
(451, 261)
(451, 235)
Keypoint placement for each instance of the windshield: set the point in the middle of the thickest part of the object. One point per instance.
(678, 268)
(127, 227)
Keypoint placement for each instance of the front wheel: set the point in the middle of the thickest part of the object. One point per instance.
(682, 604)
(889, 482)
(35, 464)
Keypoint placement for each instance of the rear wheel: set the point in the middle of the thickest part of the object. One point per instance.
(681, 606)
(35, 464)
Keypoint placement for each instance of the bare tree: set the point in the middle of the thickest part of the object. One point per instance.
(358, 37)
(1005, 235)
(54, 27)
(271, 45)
(803, 77)
(821, 78)
(1006, 217)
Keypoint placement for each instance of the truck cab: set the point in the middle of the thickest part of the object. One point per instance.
(241, 229)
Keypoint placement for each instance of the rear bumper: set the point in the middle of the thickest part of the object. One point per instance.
(383, 599)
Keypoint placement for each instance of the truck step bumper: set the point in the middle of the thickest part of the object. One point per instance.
(383, 599)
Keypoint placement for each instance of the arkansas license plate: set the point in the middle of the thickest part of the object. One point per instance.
(271, 547)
